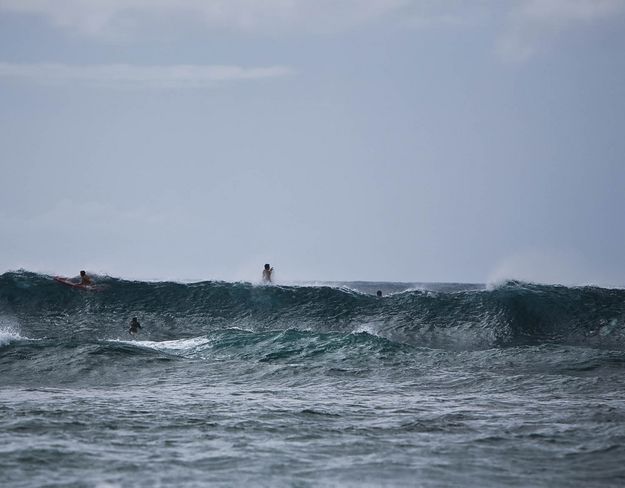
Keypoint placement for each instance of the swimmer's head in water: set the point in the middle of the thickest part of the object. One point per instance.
(379, 293)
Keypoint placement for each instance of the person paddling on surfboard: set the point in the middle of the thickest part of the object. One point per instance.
(134, 327)
(267, 274)
(84, 279)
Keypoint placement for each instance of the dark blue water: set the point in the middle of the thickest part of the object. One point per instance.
(233, 383)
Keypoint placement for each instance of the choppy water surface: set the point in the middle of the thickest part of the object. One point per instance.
(431, 385)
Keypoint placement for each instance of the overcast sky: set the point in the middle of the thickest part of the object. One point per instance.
(397, 140)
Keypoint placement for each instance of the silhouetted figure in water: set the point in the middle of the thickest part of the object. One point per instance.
(134, 327)
(379, 293)
(267, 272)
(84, 279)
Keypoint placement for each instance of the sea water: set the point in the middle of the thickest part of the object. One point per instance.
(233, 384)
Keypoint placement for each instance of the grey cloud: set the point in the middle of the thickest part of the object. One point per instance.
(533, 24)
(125, 75)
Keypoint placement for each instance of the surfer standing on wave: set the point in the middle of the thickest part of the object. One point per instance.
(267, 274)
(84, 279)
(134, 327)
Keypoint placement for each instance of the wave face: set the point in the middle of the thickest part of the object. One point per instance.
(457, 317)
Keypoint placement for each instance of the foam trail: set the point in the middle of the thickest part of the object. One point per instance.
(173, 347)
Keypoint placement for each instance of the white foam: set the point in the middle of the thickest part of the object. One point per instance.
(242, 329)
(370, 328)
(8, 331)
(176, 346)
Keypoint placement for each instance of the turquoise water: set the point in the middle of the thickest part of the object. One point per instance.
(233, 383)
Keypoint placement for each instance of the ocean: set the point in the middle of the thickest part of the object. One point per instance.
(235, 384)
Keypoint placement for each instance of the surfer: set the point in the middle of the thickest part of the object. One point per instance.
(267, 274)
(134, 327)
(84, 279)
